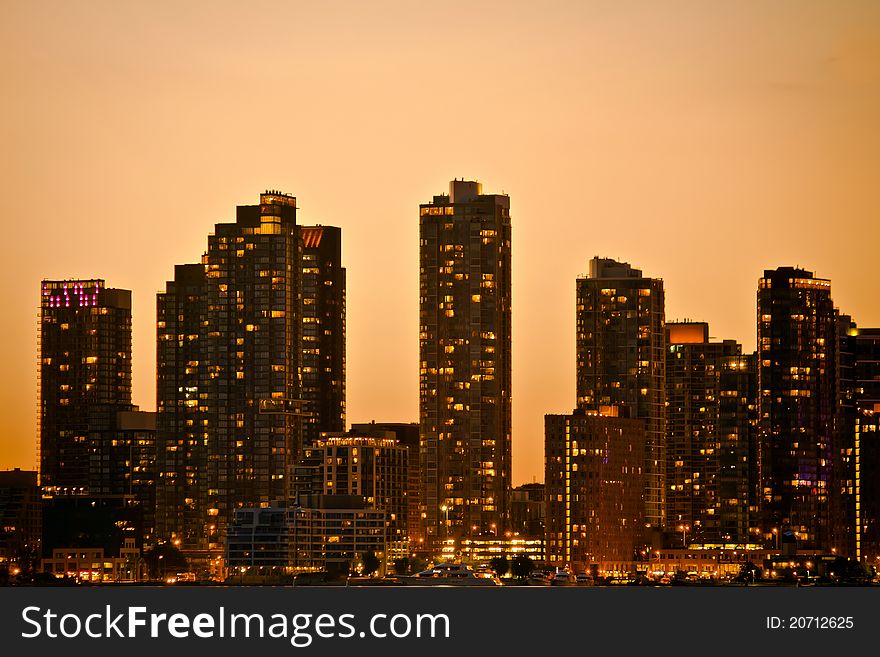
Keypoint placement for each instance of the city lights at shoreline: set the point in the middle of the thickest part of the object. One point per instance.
(670, 469)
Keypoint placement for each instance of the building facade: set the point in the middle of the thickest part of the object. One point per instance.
(126, 465)
(21, 518)
(228, 375)
(594, 478)
(856, 495)
(326, 533)
(465, 366)
(866, 495)
(528, 508)
(621, 362)
(85, 379)
(372, 467)
(182, 440)
(92, 521)
(798, 401)
(93, 565)
(323, 332)
(407, 435)
(259, 537)
(711, 436)
(479, 551)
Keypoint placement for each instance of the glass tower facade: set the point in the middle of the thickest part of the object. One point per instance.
(593, 475)
(323, 332)
(711, 428)
(797, 378)
(621, 361)
(228, 367)
(372, 467)
(85, 379)
(856, 491)
(465, 367)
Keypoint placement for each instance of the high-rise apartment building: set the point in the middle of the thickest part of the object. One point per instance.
(798, 401)
(621, 362)
(228, 367)
(856, 493)
(711, 430)
(465, 367)
(323, 332)
(866, 484)
(85, 379)
(593, 478)
(182, 440)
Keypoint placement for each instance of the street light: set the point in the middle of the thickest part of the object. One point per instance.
(657, 554)
(684, 530)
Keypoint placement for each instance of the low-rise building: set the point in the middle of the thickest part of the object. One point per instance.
(74, 518)
(481, 550)
(707, 560)
(91, 564)
(325, 532)
(375, 466)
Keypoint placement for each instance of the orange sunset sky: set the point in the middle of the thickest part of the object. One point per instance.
(702, 141)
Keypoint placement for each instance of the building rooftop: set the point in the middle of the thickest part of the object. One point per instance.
(610, 268)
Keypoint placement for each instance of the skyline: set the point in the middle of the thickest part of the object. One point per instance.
(712, 120)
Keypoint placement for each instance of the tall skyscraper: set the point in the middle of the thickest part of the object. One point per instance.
(866, 494)
(711, 429)
(323, 331)
(228, 390)
(797, 372)
(182, 437)
(464, 354)
(621, 361)
(856, 491)
(85, 379)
